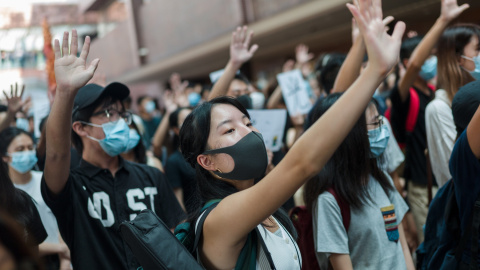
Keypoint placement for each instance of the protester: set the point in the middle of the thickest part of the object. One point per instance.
(222, 126)
(465, 165)
(457, 49)
(18, 150)
(21, 207)
(91, 201)
(147, 110)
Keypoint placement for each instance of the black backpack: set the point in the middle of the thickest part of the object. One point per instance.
(156, 247)
(444, 243)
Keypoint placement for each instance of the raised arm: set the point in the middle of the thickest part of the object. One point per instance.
(350, 69)
(239, 54)
(238, 214)
(449, 11)
(71, 74)
(14, 104)
(473, 130)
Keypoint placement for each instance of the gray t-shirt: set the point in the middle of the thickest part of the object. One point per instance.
(367, 241)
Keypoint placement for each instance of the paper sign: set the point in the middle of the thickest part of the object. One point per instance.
(294, 92)
(214, 76)
(271, 123)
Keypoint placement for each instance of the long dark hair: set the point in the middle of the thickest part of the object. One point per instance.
(449, 50)
(193, 142)
(348, 170)
(11, 237)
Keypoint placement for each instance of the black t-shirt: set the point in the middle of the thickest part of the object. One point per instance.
(93, 204)
(181, 175)
(416, 141)
(34, 232)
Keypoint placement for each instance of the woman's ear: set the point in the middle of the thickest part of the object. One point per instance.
(6, 159)
(206, 162)
(79, 129)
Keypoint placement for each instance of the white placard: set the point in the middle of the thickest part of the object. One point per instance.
(214, 76)
(271, 123)
(294, 92)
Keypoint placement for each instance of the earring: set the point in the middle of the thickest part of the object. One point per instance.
(218, 170)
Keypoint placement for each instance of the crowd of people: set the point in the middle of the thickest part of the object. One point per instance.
(384, 163)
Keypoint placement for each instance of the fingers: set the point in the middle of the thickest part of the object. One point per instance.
(253, 49)
(85, 49)
(23, 89)
(388, 20)
(398, 31)
(56, 49)
(65, 44)
(6, 96)
(93, 65)
(463, 7)
(74, 44)
(247, 39)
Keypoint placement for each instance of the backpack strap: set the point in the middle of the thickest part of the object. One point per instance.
(209, 207)
(265, 249)
(344, 208)
(413, 110)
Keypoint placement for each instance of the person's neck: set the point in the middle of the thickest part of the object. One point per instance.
(241, 184)
(20, 178)
(422, 85)
(130, 156)
(146, 116)
(101, 159)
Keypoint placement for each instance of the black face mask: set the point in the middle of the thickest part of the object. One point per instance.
(249, 155)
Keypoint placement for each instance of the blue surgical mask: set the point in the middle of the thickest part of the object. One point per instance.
(116, 137)
(378, 140)
(133, 140)
(24, 161)
(429, 69)
(476, 72)
(22, 123)
(150, 106)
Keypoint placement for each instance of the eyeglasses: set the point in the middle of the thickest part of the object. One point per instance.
(378, 123)
(113, 115)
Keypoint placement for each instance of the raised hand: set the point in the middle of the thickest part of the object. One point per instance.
(382, 48)
(450, 9)
(239, 46)
(71, 72)
(302, 55)
(14, 100)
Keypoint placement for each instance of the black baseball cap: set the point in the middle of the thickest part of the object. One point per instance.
(465, 104)
(90, 93)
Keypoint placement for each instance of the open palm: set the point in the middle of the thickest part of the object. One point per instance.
(71, 72)
(451, 10)
(382, 48)
(239, 46)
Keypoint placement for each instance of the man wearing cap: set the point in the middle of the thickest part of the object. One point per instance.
(92, 200)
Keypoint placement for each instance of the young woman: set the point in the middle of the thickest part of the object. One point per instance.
(458, 64)
(20, 206)
(18, 150)
(376, 208)
(228, 153)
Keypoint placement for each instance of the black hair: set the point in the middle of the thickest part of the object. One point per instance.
(11, 237)
(329, 70)
(139, 150)
(408, 46)
(193, 142)
(241, 77)
(8, 135)
(141, 98)
(173, 123)
(85, 114)
(348, 170)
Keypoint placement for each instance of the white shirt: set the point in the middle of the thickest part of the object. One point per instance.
(283, 249)
(441, 134)
(49, 221)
